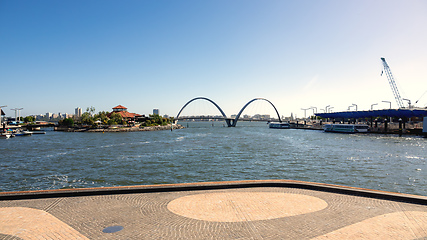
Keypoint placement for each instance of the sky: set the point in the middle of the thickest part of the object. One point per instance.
(59, 55)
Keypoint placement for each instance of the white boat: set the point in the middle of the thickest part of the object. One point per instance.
(6, 135)
(22, 133)
(346, 128)
(280, 125)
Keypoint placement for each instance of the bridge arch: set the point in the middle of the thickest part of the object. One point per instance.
(207, 99)
(255, 99)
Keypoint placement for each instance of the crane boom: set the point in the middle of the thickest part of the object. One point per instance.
(392, 83)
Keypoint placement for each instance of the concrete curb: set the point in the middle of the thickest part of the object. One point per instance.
(361, 192)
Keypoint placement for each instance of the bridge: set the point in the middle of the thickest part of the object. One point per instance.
(231, 122)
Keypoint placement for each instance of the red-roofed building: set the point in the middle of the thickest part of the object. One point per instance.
(123, 111)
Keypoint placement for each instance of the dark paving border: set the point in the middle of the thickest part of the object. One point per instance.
(399, 197)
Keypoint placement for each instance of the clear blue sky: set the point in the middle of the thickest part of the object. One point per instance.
(59, 55)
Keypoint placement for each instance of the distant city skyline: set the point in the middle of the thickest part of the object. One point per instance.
(58, 55)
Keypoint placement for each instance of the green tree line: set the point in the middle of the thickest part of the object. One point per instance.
(89, 118)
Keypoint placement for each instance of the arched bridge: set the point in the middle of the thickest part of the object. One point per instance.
(231, 122)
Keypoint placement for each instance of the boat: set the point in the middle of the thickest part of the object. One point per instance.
(346, 128)
(22, 133)
(6, 135)
(279, 125)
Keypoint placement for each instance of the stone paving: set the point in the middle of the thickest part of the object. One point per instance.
(231, 210)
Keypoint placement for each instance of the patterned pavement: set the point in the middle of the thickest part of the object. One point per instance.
(276, 209)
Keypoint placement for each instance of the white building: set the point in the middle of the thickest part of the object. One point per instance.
(78, 112)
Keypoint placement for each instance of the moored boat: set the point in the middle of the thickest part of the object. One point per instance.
(6, 135)
(346, 128)
(279, 125)
(22, 133)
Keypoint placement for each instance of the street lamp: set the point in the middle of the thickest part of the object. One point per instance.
(330, 109)
(388, 102)
(326, 108)
(313, 109)
(355, 106)
(372, 106)
(17, 117)
(314, 113)
(409, 102)
(305, 109)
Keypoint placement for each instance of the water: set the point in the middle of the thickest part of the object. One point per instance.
(203, 152)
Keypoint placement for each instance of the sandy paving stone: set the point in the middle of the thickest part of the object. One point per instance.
(29, 223)
(398, 225)
(244, 206)
(257, 213)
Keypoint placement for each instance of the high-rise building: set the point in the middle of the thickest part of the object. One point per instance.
(78, 112)
(156, 111)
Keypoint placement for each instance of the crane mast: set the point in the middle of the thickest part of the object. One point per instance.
(392, 83)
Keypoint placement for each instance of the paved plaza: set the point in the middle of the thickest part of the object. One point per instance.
(270, 209)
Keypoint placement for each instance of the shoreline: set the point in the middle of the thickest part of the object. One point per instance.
(122, 129)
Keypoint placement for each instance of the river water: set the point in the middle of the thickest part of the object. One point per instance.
(210, 152)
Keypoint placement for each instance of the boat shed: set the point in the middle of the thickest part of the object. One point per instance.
(398, 113)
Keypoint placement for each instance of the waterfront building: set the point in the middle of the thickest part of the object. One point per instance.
(123, 111)
(1, 116)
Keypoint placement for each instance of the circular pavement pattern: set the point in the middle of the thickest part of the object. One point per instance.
(244, 206)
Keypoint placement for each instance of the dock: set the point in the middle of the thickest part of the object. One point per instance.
(263, 209)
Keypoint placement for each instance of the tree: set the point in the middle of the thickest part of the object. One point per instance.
(68, 122)
(102, 116)
(29, 119)
(87, 117)
(116, 118)
(90, 110)
(155, 120)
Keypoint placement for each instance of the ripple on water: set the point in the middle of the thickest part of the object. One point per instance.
(249, 151)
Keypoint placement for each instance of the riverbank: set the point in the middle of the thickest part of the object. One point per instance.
(119, 129)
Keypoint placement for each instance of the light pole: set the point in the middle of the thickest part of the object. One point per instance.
(314, 108)
(389, 108)
(330, 109)
(326, 108)
(355, 106)
(372, 106)
(305, 109)
(17, 110)
(387, 102)
(314, 113)
(409, 102)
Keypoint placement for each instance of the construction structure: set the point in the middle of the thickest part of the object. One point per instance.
(393, 86)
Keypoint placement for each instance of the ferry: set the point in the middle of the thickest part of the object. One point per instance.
(280, 125)
(346, 128)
